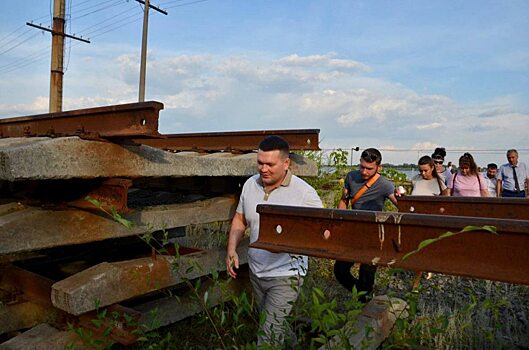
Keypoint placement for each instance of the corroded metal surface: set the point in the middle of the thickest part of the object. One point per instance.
(30, 303)
(488, 207)
(237, 141)
(383, 238)
(27, 285)
(113, 193)
(133, 119)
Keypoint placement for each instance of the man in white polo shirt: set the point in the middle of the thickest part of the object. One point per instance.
(275, 277)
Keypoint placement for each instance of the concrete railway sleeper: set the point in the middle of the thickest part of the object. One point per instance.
(30, 299)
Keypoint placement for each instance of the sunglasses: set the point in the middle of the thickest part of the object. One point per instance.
(438, 161)
(370, 156)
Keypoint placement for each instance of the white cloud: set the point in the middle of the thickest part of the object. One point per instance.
(352, 108)
(429, 126)
(38, 106)
(322, 61)
(426, 145)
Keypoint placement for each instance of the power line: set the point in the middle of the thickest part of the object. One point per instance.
(112, 18)
(68, 42)
(186, 4)
(98, 10)
(82, 10)
(25, 62)
(170, 2)
(12, 33)
(17, 45)
(15, 39)
(113, 26)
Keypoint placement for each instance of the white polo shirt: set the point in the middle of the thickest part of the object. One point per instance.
(292, 191)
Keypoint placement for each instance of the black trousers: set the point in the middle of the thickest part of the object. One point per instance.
(507, 193)
(365, 280)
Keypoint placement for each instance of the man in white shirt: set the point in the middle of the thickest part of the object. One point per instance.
(275, 277)
(490, 178)
(513, 177)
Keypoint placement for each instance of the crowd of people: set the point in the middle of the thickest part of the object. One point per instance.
(276, 278)
(509, 180)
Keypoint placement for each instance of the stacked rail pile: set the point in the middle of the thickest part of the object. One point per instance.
(62, 256)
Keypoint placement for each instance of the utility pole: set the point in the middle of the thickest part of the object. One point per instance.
(143, 63)
(57, 54)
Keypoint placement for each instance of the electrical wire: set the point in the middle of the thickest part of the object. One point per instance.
(12, 33)
(98, 10)
(139, 17)
(113, 18)
(163, 3)
(17, 38)
(25, 61)
(18, 44)
(82, 10)
(69, 40)
(186, 4)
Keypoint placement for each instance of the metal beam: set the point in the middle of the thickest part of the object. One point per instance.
(383, 238)
(237, 141)
(487, 207)
(113, 193)
(126, 120)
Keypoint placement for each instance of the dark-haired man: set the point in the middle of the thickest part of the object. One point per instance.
(490, 178)
(513, 177)
(377, 190)
(275, 277)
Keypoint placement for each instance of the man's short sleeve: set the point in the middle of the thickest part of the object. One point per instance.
(312, 199)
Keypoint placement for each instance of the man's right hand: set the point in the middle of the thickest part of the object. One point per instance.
(232, 263)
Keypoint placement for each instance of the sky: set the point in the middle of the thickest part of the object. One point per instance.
(401, 76)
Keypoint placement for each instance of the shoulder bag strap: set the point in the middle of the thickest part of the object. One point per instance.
(364, 188)
(439, 184)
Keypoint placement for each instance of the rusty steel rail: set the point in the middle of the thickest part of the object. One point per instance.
(383, 238)
(236, 141)
(488, 207)
(126, 120)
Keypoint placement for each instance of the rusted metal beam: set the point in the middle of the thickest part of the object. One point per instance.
(126, 120)
(28, 285)
(383, 238)
(113, 193)
(31, 302)
(487, 207)
(237, 141)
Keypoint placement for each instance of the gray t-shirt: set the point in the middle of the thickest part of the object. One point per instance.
(374, 197)
(293, 191)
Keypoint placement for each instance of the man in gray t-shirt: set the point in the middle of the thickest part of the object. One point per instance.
(372, 199)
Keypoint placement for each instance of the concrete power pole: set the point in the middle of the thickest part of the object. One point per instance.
(57, 56)
(143, 63)
(57, 53)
